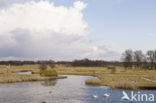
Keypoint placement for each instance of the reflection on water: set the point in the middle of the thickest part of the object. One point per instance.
(70, 90)
(49, 82)
(24, 72)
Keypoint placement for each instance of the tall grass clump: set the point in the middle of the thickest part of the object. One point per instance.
(49, 73)
(93, 81)
(52, 66)
(125, 85)
(112, 69)
(43, 67)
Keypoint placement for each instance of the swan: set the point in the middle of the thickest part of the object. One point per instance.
(106, 95)
(95, 96)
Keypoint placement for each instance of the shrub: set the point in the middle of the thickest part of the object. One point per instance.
(112, 68)
(48, 73)
(52, 65)
(43, 67)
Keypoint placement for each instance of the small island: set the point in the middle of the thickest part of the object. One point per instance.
(12, 74)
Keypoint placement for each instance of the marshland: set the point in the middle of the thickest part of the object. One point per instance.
(81, 82)
(137, 71)
(88, 81)
(77, 51)
(112, 76)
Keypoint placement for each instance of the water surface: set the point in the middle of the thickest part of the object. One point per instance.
(69, 90)
(25, 72)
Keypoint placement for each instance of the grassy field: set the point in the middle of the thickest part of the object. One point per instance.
(119, 78)
(10, 77)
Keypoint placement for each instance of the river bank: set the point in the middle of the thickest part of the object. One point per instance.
(70, 90)
(12, 78)
(121, 78)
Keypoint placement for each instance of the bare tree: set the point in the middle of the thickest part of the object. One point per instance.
(138, 58)
(154, 59)
(127, 57)
(151, 56)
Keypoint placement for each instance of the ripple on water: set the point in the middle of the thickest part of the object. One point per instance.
(69, 90)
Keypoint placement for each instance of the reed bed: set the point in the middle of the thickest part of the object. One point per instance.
(93, 81)
(118, 78)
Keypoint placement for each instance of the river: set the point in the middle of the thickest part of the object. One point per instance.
(69, 90)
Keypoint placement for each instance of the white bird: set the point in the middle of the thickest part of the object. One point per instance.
(106, 95)
(95, 96)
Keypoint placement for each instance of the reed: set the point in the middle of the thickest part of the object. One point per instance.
(49, 73)
(125, 85)
(11, 78)
(120, 78)
(93, 81)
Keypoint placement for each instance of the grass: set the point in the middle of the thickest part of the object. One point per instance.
(93, 81)
(49, 73)
(10, 77)
(33, 68)
(125, 84)
(120, 78)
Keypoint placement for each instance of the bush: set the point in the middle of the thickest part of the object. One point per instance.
(52, 65)
(112, 68)
(49, 73)
(43, 67)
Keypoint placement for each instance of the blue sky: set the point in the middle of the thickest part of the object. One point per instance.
(126, 23)
(72, 29)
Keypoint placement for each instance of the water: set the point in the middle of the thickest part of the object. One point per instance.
(26, 72)
(69, 90)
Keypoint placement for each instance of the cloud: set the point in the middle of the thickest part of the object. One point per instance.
(7, 3)
(40, 30)
(151, 35)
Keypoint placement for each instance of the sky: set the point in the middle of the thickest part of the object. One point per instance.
(75, 29)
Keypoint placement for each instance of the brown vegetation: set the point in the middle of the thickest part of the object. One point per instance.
(9, 76)
(121, 78)
(49, 73)
(93, 81)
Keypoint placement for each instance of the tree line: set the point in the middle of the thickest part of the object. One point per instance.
(18, 62)
(139, 59)
(82, 62)
(94, 63)
(15, 62)
(130, 59)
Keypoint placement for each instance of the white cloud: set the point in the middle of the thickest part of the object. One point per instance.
(7, 3)
(43, 16)
(151, 35)
(79, 5)
(40, 30)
